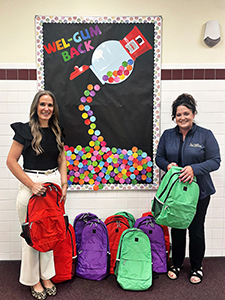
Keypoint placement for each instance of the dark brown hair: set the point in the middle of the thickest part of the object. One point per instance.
(186, 100)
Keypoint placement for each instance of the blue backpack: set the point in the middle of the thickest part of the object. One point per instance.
(93, 257)
(157, 240)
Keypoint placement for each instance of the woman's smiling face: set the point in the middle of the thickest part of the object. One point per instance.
(45, 109)
(184, 118)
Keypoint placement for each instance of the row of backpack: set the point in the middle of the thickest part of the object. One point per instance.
(121, 245)
(131, 249)
(97, 245)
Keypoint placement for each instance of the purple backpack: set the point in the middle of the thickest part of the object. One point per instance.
(93, 257)
(157, 241)
(78, 225)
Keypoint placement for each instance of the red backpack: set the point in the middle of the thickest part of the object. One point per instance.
(65, 257)
(115, 224)
(166, 234)
(46, 223)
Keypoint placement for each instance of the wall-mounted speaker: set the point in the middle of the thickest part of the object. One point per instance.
(212, 33)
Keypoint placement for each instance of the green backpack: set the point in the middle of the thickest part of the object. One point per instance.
(130, 218)
(175, 202)
(133, 268)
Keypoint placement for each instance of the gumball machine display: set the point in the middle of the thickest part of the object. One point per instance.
(97, 164)
(113, 61)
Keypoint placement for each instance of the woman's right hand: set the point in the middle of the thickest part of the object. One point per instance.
(171, 165)
(38, 188)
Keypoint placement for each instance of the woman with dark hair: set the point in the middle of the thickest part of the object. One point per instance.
(41, 145)
(196, 150)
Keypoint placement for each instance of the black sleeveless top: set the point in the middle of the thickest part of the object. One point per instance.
(44, 161)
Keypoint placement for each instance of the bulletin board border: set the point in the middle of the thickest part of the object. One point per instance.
(157, 20)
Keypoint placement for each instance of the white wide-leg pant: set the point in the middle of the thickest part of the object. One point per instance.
(35, 265)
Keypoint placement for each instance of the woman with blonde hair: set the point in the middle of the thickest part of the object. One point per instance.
(40, 143)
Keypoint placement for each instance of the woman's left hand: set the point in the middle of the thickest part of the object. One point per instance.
(64, 192)
(187, 174)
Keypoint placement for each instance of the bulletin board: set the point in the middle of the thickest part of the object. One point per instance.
(105, 74)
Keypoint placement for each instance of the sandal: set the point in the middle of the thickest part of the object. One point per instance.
(175, 271)
(198, 274)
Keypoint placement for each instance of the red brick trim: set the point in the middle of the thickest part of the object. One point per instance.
(166, 74)
(192, 74)
(18, 74)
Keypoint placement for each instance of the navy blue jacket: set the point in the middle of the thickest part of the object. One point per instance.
(200, 150)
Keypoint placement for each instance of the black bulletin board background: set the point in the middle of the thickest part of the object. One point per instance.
(125, 111)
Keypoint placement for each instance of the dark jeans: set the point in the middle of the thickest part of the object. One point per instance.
(196, 238)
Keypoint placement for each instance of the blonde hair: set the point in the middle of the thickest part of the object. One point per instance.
(53, 123)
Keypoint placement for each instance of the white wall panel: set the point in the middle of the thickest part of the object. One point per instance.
(15, 100)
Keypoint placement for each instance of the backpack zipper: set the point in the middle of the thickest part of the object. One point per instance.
(168, 183)
(106, 231)
(167, 196)
(118, 223)
(147, 221)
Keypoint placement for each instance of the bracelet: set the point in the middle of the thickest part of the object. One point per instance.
(64, 183)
